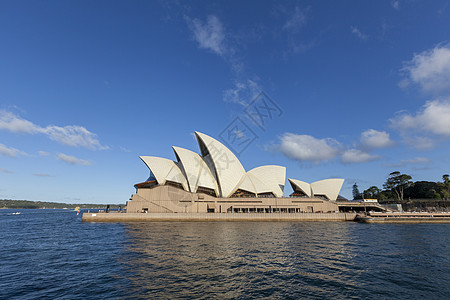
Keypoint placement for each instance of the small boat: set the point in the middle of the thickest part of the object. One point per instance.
(16, 213)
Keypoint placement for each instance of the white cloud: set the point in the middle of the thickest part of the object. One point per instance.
(373, 139)
(43, 153)
(296, 21)
(209, 35)
(75, 136)
(11, 152)
(11, 122)
(358, 33)
(429, 69)
(306, 148)
(72, 160)
(352, 156)
(242, 93)
(434, 117)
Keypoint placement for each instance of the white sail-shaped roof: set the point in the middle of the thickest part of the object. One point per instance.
(260, 186)
(273, 178)
(298, 185)
(220, 170)
(165, 169)
(196, 170)
(175, 175)
(252, 184)
(329, 188)
(247, 185)
(227, 167)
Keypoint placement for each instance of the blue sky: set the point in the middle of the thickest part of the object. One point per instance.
(362, 88)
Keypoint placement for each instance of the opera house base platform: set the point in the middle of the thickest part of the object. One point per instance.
(169, 203)
(171, 199)
(217, 217)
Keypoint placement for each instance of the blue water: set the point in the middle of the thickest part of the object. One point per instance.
(51, 254)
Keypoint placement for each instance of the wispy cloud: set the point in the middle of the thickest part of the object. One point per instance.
(358, 33)
(12, 123)
(123, 149)
(42, 175)
(72, 160)
(414, 161)
(430, 70)
(72, 135)
(11, 152)
(395, 4)
(243, 92)
(209, 35)
(5, 171)
(75, 136)
(301, 47)
(43, 153)
(296, 20)
(419, 142)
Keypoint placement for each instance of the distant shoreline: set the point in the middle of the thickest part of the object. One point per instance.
(27, 204)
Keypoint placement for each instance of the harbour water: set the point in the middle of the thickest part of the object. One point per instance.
(52, 254)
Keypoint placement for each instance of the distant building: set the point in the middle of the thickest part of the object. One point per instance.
(216, 181)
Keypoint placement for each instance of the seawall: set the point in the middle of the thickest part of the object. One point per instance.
(216, 217)
(405, 218)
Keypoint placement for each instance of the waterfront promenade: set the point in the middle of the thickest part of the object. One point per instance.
(405, 217)
(216, 217)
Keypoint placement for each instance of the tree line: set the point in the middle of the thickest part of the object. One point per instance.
(400, 187)
(17, 204)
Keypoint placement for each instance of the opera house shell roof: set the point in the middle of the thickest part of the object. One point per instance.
(219, 172)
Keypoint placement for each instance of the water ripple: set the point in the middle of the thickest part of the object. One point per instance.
(52, 254)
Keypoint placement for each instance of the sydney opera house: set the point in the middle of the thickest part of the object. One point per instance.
(215, 181)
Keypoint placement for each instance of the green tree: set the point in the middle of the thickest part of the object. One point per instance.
(372, 193)
(355, 191)
(397, 183)
(446, 181)
(423, 190)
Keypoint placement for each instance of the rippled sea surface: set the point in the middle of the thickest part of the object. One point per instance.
(52, 254)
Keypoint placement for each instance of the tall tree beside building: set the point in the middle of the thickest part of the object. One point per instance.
(372, 193)
(356, 194)
(446, 181)
(398, 182)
